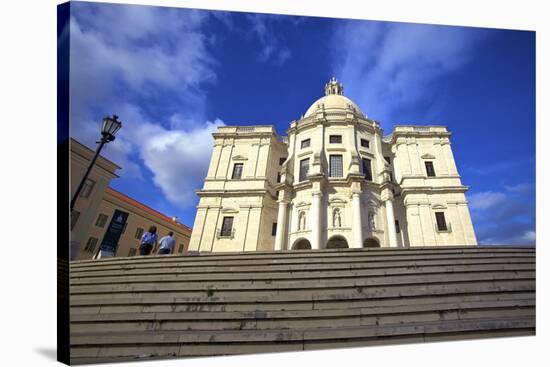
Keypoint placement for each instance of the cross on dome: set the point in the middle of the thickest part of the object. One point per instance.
(334, 87)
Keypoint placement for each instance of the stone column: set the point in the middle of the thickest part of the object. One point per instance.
(357, 222)
(315, 221)
(282, 219)
(391, 222)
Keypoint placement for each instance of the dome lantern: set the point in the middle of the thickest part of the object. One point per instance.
(334, 87)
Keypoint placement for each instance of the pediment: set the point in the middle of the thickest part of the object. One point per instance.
(439, 206)
(227, 210)
(337, 200)
(301, 204)
(239, 158)
(427, 156)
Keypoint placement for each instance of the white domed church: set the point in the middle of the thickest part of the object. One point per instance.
(335, 181)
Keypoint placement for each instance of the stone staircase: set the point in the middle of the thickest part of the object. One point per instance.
(144, 308)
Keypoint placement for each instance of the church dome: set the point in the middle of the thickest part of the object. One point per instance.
(334, 100)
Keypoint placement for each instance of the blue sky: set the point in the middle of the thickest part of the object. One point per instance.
(175, 75)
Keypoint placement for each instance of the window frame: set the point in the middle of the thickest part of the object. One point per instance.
(306, 143)
(367, 169)
(362, 140)
(235, 166)
(441, 222)
(224, 231)
(397, 226)
(303, 170)
(91, 244)
(99, 222)
(333, 165)
(430, 172)
(338, 139)
(139, 230)
(273, 229)
(88, 187)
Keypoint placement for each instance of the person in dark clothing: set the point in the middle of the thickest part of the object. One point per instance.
(148, 241)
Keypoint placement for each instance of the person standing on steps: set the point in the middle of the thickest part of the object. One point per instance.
(148, 241)
(167, 244)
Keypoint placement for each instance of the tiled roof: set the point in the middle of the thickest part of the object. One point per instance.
(144, 207)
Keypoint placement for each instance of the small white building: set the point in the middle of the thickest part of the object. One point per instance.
(335, 181)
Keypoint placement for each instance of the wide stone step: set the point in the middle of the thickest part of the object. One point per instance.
(294, 268)
(305, 254)
(159, 261)
(310, 284)
(318, 274)
(169, 305)
(295, 295)
(238, 315)
(192, 343)
(144, 308)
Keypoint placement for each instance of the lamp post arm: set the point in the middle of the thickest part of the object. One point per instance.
(88, 170)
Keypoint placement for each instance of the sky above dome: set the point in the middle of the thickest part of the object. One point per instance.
(174, 75)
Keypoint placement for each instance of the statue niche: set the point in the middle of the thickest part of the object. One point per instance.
(302, 221)
(336, 218)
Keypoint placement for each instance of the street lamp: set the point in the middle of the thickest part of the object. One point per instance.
(110, 127)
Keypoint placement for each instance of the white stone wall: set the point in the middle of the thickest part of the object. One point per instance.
(400, 188)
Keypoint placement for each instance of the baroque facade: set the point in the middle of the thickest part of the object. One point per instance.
(334, 182)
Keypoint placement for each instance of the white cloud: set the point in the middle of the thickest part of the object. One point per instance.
(522, 188)
(273, 50)
(178, 159)
(486, 200)
(122, 55)
(387, 67)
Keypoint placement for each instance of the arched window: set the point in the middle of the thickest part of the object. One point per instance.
(371, 242)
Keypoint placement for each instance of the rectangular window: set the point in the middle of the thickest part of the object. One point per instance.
(397, 229)
(87, 188)
(335, 139)
(278, 176)
(139, 233)
(430, 168)
(365, 143)
(441, 223)
(90, 245)
(180, 249)
(237, 171)
(336, 168)
(304, 169)
(227, 227)
(274, 229)
(282, 160)
(277, 194)
(101, 220)
(367, 170)
(305, 143)
(74, 218)
(132, 252)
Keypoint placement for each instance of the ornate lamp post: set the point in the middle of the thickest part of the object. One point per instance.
(110, 127)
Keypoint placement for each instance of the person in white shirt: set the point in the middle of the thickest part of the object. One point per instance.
(167, 244)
